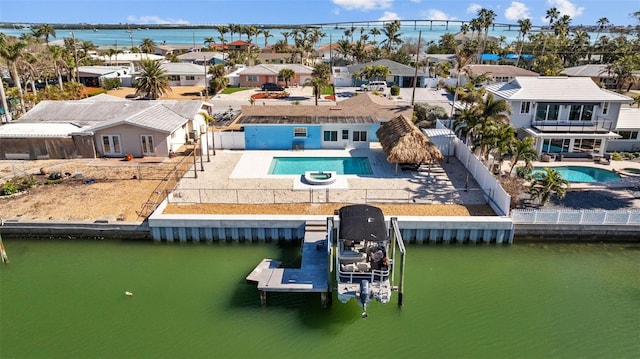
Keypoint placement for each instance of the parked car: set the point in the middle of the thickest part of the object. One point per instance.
(269, 86)
(380, 86)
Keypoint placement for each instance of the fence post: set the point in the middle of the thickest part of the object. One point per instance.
(581, 216)
(628, 216)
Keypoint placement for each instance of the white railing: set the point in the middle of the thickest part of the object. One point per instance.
(590, 217)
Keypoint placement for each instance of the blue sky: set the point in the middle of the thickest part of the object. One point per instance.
(585, 12)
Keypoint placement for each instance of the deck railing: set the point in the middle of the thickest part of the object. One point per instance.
(587, 217)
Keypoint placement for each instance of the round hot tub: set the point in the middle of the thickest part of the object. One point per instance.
(320, 177)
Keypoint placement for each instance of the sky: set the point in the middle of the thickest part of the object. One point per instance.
(200, 12)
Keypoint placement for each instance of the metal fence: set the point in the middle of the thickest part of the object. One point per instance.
(562, 216)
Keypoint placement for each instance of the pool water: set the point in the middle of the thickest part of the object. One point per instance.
(300, 165)
(582, 174)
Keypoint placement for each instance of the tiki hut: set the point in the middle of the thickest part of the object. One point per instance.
(403, 142)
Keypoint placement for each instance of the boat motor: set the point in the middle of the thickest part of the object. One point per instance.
(365, 296)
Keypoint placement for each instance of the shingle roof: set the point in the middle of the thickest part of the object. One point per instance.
(593, 70)
(397, 69)
(100, 113)
(364, 107)
(554, 89)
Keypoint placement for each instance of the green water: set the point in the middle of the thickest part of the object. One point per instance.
(65, 299)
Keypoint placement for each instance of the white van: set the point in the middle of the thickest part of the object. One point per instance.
(380, 86)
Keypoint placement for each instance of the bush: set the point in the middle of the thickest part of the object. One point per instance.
(95, 91)
(616, 156)
(110, 83)
(395, 90)
(8, 189)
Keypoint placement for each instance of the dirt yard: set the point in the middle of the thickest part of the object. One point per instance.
(177, 93)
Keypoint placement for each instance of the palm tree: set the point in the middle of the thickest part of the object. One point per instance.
(523, 150)
(390, 30)
(490, 112)
(267, 35)
(319, 79)
(501, 138)
(218, 80)
(208, 41)
(486, 20)
(13, 52)
(153, 81)
(147, 46)
(547, 183)
(44, 31)
(57, 55)
(525, 26)
(286, 74)
(375, 32)
(552, 14)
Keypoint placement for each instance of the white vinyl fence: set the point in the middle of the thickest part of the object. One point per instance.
(590, 217)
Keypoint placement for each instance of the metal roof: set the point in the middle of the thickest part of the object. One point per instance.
(554, 89)
(629, 118)
(20, 130)
(183, 68)
(397, 69)
(274, 69)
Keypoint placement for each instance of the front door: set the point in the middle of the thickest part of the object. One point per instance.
(146, 142)
(111, 145)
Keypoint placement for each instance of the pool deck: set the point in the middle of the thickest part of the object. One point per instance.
(246, 174)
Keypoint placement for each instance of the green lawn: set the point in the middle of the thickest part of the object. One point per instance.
(230, 90)
(327, 90)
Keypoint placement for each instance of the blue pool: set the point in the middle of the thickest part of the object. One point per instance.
(341, 165)
(583, 174)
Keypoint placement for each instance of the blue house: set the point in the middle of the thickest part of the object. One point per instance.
(351, 123)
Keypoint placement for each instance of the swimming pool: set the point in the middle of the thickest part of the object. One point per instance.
(583, 174)
(300, 165)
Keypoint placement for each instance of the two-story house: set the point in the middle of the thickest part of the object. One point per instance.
(566, 115)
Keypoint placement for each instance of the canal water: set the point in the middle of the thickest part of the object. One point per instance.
(65, 299)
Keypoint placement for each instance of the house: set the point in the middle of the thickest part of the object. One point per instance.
(92, 76)
(274, 58)
(169, 50)
(102, 126)
(239, 46)
(628, 128)
(495, 73)
(401, 75)
(600, 75)
(185, 74)
(129, 59)
(564, 114)
(255, 76)
(201, 57)
(351, 123)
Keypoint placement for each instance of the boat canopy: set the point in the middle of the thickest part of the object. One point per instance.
(362, 222)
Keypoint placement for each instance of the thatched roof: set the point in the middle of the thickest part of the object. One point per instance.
(403, 142)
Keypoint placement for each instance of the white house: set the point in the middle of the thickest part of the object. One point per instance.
(185, 74)
(566, 115)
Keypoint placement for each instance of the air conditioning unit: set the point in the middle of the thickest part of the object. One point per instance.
(194, 135)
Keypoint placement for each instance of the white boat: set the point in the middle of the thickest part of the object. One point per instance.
(364, 263)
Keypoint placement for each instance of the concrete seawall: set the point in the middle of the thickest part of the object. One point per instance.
(75, 230)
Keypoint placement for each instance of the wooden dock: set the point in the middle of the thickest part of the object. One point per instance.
(313, 274)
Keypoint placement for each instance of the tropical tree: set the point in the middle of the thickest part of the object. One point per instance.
(486, 20)
(208, 41)
(374, 32)
(636, 101)
(549, 65)
(624, 69)
(390, 30)
(58, 54)
(267, 34)
(13, 53)
(523, 150)
(479, 121)
(547, 183)
(153, 81)
(45, 31)
(525, 27)
(319, 79)
(551, 14)
(286, 74)
(218, 80)
(147, 46)
(375, 72)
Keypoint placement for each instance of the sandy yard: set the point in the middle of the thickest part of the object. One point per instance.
(177, 93)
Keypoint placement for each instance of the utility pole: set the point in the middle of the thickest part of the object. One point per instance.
(75, 55)
(415, 74)
(206, 85)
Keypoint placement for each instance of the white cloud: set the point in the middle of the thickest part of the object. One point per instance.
(473, 8)
(566, 7)
(364, 5)
(434, 14)
(388, 15)
(150, 19)
(516, 11)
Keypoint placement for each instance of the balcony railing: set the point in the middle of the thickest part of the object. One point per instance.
(599, 125)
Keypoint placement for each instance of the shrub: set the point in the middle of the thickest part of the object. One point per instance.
(629, 155)
(95, 91)
(395, 90)
(110, 83)
(616, 156)
(17, 184)
(8, 188)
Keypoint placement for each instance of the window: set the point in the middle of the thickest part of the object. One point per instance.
(628, 135)
(587, 145)
(359, 136)
(174, 77)
(330, 136)
(525, 107)
(252, 78)
(605, 108)
(300, 132)
(580, 112)
(547, 111)
(345, 134)
(111, 145)
(556, 145)
(190, 77)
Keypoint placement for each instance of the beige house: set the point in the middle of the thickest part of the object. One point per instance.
(102, 126)
(255, 76)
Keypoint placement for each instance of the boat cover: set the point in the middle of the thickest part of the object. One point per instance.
(362, 222)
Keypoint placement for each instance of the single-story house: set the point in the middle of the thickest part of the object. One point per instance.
(599, 74)
(255, 76)
(401, 74)
(129, 59)
(186, 74)
(166, 50)
(274, 58)
(199, 58)
(563, 114)
(102, 126)
(496, 73)
(92, 76)
(351, 123)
